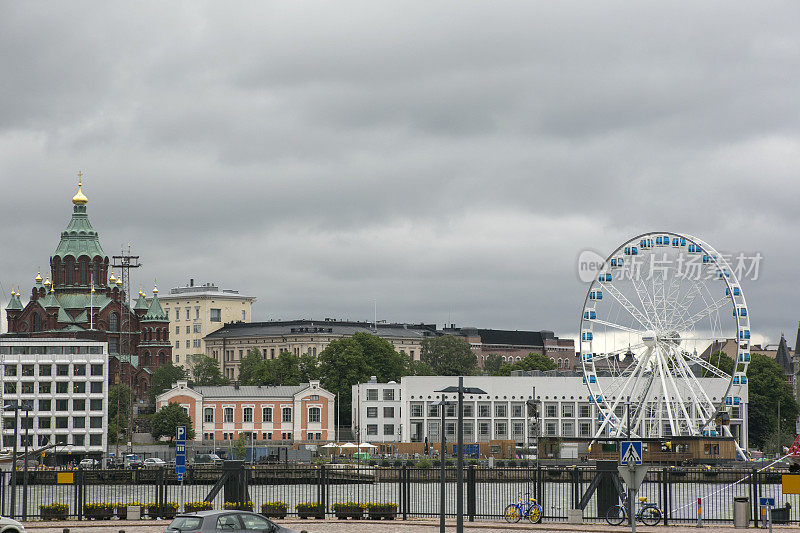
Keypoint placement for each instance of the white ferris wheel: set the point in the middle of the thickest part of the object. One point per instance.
(655, 305)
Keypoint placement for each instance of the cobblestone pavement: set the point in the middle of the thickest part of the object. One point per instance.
(410, 526)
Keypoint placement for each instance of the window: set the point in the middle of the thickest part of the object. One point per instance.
(113, 345)
(11, 370)
(500, 429)
(416, 410)
(483, 428)
(266, 414)
(216, 315)
(10, 387)
(500, 410)
(585, 410)
(517, 428)
(483, 411)
(516, 411)
(62, 387)
(177, 314)
(78, 370)
(62, 422)
(567, 428)
(450, 429)
(96, 405)
(450, 411)
(62, 405)
(44, 440)
(567, 410)
(208, 415)
(372, 394)
(79, 440)
(247, 414)
(372, 429)
(388, 394)
(166, 312)
(584, 428)
(388, 412)
(187, 343)
(97, 386)
(314, 414)
(45, 387)
(62, 370)
(228, 414)
(550, 429)
(196, 328)
(61, 440)
(254, 523)
(177, 330)
(96, 422)
(78, 404)
(177, 344)
(96, 439)
(78, 422)
(286, 414)
(197, 312)
(388, 429)
(79, 387)
(468, 410)
(27, 370)
(188, 329)
(45, 370)
(97, 370)
(27, 387)
(44, 405)
(551, 410)
(187, 313)
(372, 412)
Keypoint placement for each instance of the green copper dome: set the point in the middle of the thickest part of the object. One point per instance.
(79, 238)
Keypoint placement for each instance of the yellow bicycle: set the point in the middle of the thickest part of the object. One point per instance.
(524, 508)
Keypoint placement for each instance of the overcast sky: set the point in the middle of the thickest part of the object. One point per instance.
(447, 159)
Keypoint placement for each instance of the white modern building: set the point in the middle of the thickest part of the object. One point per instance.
(405, 411)
(64, 383)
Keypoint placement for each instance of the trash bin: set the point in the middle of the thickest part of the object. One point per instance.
(780, 515)
(741, 512)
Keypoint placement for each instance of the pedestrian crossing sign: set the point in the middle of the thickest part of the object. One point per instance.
(630, 452)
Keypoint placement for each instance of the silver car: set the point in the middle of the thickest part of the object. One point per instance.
(228, 521)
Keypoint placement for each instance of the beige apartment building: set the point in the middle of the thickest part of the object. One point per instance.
(230, 344)
(195, 311)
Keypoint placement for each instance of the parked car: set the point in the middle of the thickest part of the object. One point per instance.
(232, 521)
(154, 461)
(207, 459)
(88, 462)
(133, 461)
(8, 525)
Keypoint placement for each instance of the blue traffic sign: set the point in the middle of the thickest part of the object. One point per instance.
(766, 502)
(180, 451)
(630, 452)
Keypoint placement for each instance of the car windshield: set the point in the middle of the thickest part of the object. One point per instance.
(185, 523)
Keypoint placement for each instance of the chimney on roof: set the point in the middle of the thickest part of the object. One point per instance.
(236, 385)
(191, 282)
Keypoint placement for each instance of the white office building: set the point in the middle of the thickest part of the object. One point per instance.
(64, 383)
(405, 411)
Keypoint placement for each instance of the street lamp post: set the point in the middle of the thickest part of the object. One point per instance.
(442, 404)
(460, 390)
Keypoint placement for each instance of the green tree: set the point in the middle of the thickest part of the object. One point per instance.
(412, 367)
(239, 447)
(767, 386)
(284, 370)
(205, 371)
(492, 364)
(163, 378)
(121, 394)
(167, 419)
(251, 367)
(449, 356)
(720, 360)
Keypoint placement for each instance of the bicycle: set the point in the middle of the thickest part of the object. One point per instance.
(648, 513)
(523, 509)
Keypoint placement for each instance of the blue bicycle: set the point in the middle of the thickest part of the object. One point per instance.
(524, 508)
(648, 513)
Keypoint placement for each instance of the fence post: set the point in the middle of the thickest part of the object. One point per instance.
(401, 488)
(324, 475)
(665, 500)
(404, 490)
(471, 493)
(756, 496)
(79, 495)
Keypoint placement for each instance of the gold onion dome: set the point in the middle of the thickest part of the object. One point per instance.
(112, 279)
(119, 282)
(47, 281)
(80, 198)
(38, 278)
(155, 288)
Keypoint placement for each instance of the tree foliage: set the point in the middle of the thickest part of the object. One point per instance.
(122, 393)
(163, 378)
(532, 361)
(492, 364)
(720, 360)
(166, 420)
(767, 386)
(449, 356)
(205, 371)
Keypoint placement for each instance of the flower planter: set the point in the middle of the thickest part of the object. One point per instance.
(273, 511)
(385, 515)
(54, 515)
(382, 511)
(122, 513)
(166, 513)
(94, 511)
(311, 512)
(356, 512)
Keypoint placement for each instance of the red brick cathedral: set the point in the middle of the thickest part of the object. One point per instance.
(84, 302)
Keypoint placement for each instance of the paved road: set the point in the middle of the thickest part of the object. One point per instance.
(411, 526)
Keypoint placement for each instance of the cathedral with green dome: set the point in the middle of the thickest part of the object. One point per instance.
(82, 299)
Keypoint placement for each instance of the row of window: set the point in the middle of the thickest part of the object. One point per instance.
(372, 412)
(62, 422)
(501, 410)
(215, 315)
(500, 428)
(195, 328)
(314, 414)
(372, 395)
(46, 387)
(78, 404)
(267, 435)
(95, 439)
(46, 369)
(50, 350)
(195, 343)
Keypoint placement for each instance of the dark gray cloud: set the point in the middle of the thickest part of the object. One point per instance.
(449, 160)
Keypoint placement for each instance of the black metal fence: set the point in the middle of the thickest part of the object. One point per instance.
(414, 489)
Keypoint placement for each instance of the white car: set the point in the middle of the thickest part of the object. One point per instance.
(7, 525)
(154, 461)
(87, 463)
